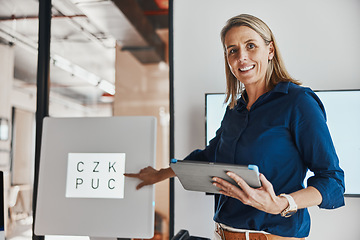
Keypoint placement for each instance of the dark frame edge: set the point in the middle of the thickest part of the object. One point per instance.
(172, 115)
(42, 102)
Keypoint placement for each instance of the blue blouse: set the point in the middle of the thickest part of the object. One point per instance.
(284, 134)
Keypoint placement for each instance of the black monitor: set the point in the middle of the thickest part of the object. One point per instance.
(2, 207)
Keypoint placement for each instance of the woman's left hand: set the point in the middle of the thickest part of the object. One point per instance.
(262, 198)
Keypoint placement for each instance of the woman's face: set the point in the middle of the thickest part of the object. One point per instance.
(247, 55)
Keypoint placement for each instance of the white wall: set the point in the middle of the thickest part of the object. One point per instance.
(6, 78)
(319, 41)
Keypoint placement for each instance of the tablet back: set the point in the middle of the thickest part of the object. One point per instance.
(82, 190)
(197, 176)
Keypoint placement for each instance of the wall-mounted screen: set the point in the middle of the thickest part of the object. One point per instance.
(343, 119)
(214, 111)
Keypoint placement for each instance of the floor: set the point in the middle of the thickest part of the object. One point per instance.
(22, 230)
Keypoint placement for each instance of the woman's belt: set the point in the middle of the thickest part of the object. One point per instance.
(229, 235)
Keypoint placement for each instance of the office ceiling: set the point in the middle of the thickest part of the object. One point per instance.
(83, 37)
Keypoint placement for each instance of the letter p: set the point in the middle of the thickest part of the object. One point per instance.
(79, 181)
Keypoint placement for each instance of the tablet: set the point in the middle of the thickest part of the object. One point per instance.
(197, 176)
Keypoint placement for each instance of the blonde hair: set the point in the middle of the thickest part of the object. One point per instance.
(276, 71)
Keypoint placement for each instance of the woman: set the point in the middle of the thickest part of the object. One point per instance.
(275, 124)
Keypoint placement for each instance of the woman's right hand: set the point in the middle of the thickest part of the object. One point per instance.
(149, 176)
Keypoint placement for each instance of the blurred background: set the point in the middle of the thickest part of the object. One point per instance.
(108, 58)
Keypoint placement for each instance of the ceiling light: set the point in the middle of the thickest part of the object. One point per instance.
(107, 87)
(78, 71)
(163, 66)
(162, 4)
(75, 70)
(107, 98)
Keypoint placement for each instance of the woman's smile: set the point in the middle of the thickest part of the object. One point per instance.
(247, 55)
(246, 69)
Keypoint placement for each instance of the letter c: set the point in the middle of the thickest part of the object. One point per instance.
(111, 180)
(78, 167)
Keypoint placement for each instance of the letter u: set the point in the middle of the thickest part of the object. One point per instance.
(92, 184)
